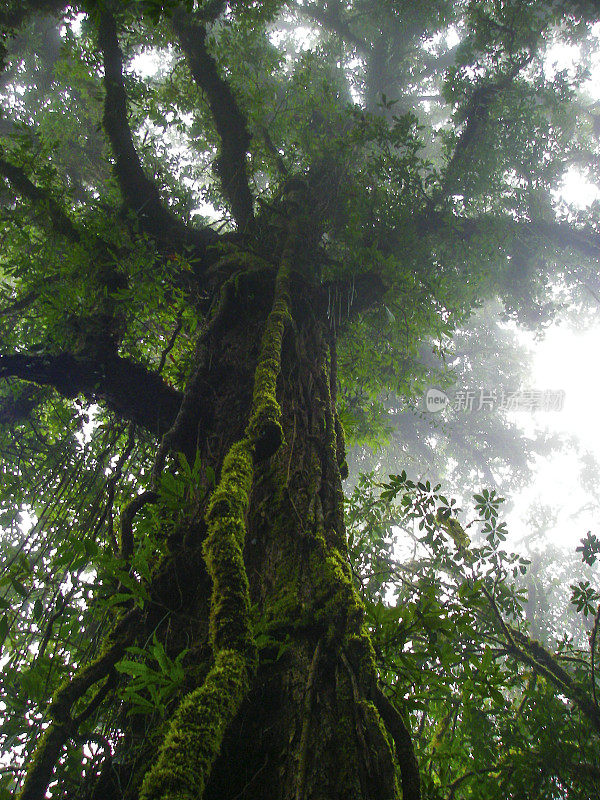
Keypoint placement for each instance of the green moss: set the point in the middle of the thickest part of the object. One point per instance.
(196, 732)
(198, 726)
(336, 602)
(232, 495)
(264, 427)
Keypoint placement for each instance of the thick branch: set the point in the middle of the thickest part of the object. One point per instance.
(139, 192)
(52, 214)
(557, 234)
(405, 752)
(229, 120)
(330, 18)
(126, 387)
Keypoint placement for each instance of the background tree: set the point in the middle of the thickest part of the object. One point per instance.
(461, 449)
(197, 256)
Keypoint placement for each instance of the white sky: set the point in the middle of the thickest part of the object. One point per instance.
(564, 360)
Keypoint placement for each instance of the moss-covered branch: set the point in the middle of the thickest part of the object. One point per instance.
(264, 427)
(543, 663)
(197, 728)
(62, 725)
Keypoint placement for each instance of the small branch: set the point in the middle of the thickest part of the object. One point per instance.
(273, 151)
(170, 344)
(20, 305)
(111, 488)
(229, 120)
(184, 420)
(459, 781)
(61, 604)
(127, 515)
(51, 214)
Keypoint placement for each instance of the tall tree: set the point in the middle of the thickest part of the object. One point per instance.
(365, 184)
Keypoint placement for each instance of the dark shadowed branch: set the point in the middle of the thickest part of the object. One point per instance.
(14, 17)
(405, 752)
(51, 215)
(476, 117)
(229, 120)
(139, 193)
(560, 235)
(127, 388)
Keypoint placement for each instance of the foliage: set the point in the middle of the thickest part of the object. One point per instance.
(397, 182)
(440, 615)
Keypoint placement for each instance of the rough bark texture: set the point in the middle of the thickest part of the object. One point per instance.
(307, 729)
(307, 726)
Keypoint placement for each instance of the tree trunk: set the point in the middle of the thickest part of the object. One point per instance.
(308, 727)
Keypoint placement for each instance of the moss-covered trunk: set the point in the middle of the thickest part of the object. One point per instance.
(280, 699)
(308, 728)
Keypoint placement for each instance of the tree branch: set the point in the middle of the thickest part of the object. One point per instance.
(558, 234)
(139, 192)
(126, 387)
(405, 752)
(229, 120)
(14, 17)
(52, 214)
(543, 663)
(330, 18)
(476, 115)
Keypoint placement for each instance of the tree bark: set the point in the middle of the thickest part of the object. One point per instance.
(308, 728)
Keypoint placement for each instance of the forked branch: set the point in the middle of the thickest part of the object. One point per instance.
(139, 193)
(228, 118)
